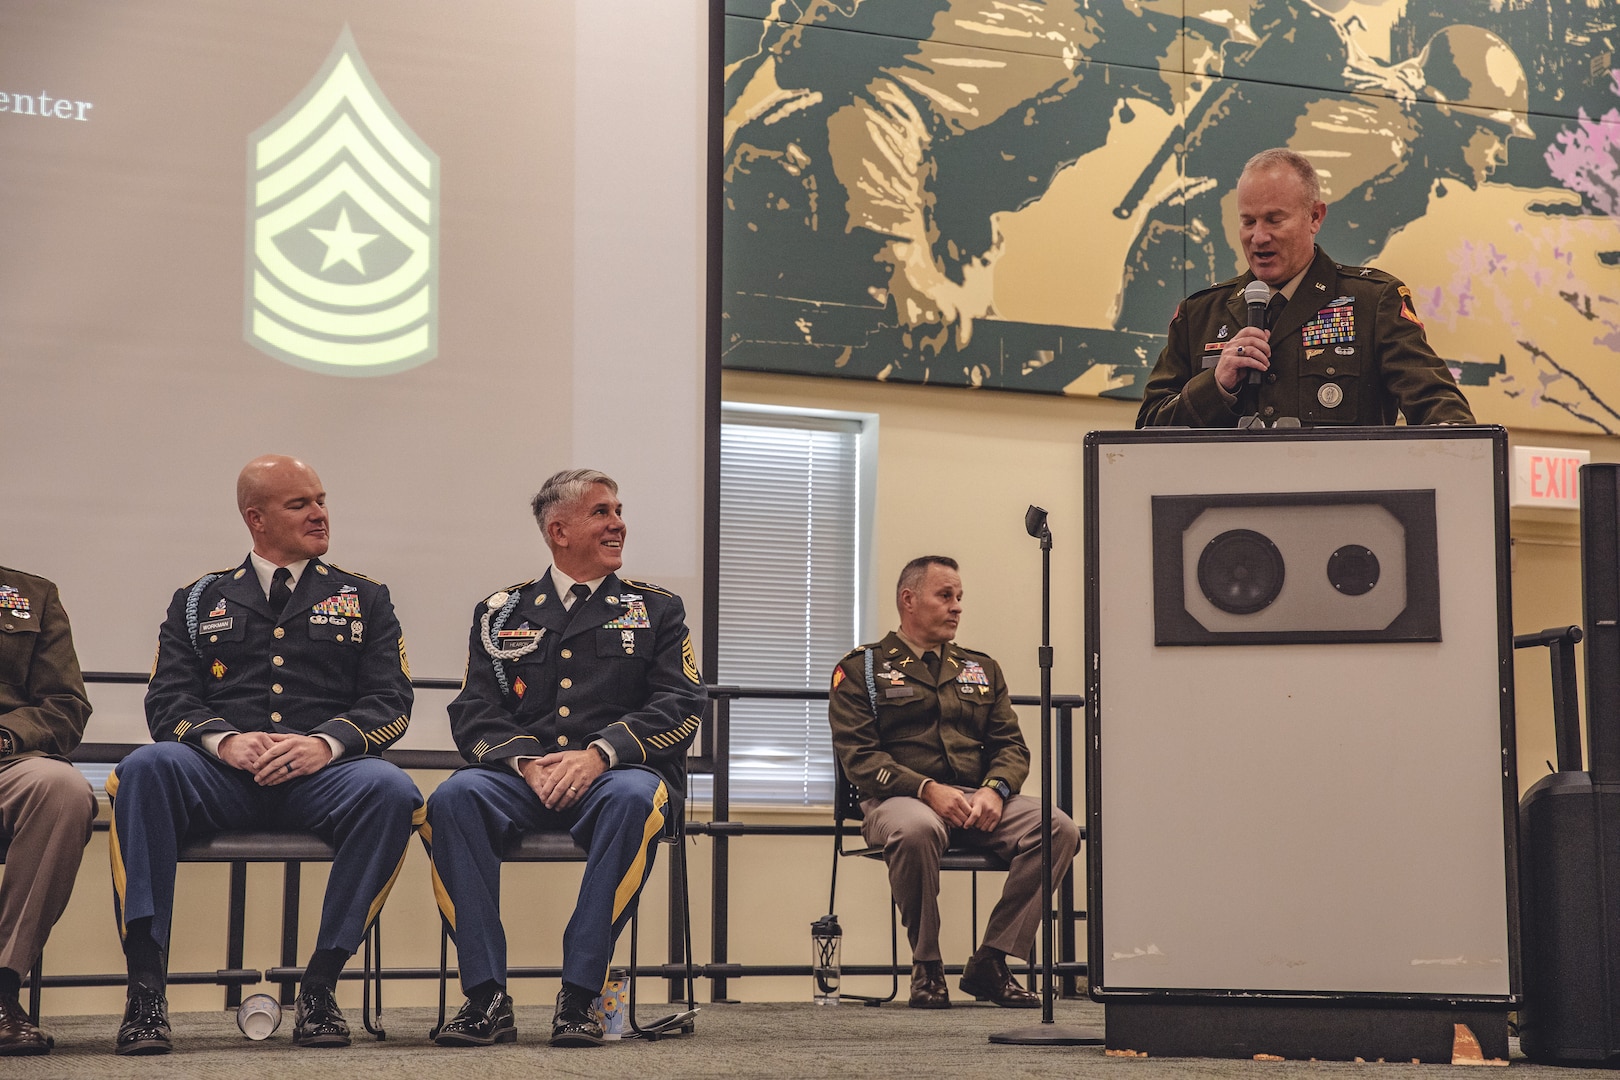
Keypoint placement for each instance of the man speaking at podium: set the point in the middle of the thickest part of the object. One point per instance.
(1332, 346)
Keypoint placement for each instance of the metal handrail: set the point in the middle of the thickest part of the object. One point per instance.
(720, 828)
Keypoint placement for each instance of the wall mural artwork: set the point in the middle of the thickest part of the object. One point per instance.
(1016, 193)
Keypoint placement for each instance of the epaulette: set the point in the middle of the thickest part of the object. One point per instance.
(510, 589)
(856, 651)
(214, 574)
(648, 586)
(1364, 273)
(351, 573)
(1228, 284)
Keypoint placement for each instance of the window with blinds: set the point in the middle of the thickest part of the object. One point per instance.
(791, 564)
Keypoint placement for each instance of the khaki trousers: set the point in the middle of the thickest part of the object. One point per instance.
(46, 809)
(913, 837)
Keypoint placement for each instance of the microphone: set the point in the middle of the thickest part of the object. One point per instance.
(1257, 294)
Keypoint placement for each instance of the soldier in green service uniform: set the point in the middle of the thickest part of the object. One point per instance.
(1344, 344)
(926, 731)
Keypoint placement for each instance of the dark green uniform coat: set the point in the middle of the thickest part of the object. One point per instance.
(957, 729)
(1348, 349)
(42, 698)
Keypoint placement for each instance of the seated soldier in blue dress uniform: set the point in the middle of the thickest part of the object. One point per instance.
(581, 696)
(277, 685)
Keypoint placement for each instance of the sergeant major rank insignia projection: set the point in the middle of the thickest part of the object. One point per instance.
(343, 229)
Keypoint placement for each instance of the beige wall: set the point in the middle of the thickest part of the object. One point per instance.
(956, 468)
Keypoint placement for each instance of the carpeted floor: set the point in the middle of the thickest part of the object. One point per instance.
(768, 1040)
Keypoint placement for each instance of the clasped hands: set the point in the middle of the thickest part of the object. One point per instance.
(980, 810)
(274, 757)
(560, 778)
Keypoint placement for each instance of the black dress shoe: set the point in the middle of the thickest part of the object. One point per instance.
(928, 985)
(18, 1037)
(480, 1023)
(575, 1022)
(146, 1023)
(986, 977)
(317, 1020)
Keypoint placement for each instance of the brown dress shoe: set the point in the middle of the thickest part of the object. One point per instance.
(928, 985)
(17, 1036)
(986, 977)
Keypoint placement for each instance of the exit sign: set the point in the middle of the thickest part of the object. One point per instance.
(1543, 476)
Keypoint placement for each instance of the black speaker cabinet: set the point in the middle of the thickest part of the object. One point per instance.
(1600, 592)
(1300, 782)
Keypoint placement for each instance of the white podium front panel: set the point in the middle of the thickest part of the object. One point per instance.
(1300, 708)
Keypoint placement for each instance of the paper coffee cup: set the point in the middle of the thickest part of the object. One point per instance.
(259, 1016)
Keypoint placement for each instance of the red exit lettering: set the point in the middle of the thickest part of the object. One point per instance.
(1554, 478)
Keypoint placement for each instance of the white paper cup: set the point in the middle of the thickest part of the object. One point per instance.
(259, 1016)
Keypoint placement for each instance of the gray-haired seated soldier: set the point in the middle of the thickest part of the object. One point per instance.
(581, 696)
(925, 730)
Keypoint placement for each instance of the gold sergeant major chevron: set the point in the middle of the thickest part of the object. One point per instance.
(343, 229)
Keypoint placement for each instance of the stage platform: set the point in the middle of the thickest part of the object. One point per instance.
(754, 1040)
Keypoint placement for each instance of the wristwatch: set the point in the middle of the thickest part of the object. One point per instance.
(8, 745)
(1001, 787)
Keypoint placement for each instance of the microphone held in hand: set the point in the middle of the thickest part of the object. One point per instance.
(1257, 294)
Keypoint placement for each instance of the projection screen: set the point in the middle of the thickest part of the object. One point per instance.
(438, 251)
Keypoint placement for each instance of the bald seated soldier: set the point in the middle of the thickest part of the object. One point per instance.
(277, 685)
(1342, 345)
(925, 730)
(46, 805)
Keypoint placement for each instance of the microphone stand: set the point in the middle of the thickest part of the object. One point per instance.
(1047, 1033)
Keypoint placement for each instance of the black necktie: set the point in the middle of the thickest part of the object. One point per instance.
(1274, 309)
(280, 590)
(582, 593)
(931, 659)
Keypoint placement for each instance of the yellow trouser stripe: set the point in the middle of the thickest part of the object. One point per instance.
(418, 820)
(115, 854)
(446, 908)
(632, 877)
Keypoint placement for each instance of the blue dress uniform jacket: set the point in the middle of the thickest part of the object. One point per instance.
(332, 664)
(617, 667)
(958, 728)
(1348, 349)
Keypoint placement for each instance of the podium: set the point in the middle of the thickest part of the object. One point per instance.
(1301, 790)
